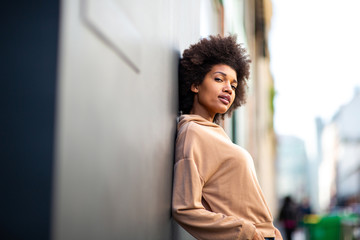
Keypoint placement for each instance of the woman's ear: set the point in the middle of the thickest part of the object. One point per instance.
(194, 88)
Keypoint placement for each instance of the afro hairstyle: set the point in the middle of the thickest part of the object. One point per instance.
(199, 59)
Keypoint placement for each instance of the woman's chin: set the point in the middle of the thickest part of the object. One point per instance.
(222, 111)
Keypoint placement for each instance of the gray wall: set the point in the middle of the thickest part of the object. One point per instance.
(116, 111)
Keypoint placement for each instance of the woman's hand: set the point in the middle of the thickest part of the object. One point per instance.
(278, 235)
(258, 236)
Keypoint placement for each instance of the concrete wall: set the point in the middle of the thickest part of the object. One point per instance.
(117, 107)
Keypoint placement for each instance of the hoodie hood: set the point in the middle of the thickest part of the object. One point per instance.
(185, 118)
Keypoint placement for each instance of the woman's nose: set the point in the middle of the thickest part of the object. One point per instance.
(227, 88)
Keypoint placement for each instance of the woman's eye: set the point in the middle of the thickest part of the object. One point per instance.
(234, 87)
(218, 79)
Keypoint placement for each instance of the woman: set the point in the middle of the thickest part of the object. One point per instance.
(216, 193)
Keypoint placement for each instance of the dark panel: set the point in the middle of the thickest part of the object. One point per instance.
(28, 59)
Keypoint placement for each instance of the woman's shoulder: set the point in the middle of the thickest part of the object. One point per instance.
(193, 130)
(189, 132)
(188, 140)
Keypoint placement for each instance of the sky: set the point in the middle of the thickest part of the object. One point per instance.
(315, 61)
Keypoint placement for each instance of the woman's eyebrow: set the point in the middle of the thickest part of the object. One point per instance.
(222, 73)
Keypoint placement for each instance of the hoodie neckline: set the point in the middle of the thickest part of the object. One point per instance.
(185, 118)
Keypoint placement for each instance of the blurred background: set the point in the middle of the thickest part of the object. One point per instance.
(89, 105)
(314, 54)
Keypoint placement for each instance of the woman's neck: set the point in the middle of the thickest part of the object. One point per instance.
(202, 113)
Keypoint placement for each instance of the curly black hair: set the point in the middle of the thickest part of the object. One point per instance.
(199, 59)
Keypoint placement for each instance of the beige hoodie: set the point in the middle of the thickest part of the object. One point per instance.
(216, 193)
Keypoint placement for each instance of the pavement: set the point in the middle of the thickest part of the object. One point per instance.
(299, 234)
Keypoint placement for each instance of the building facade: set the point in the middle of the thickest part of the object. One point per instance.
(339, 174)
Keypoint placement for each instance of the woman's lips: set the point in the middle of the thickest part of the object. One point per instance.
(225, 99)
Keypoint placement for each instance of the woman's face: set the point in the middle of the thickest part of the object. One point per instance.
(216, 93)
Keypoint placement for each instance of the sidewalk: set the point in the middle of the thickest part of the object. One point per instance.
(299, 234)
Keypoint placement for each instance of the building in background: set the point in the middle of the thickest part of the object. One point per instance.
(339, 172)
(261, 138)
(292, 169)
(348, 162)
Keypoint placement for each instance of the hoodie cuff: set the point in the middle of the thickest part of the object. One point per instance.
(247, 231)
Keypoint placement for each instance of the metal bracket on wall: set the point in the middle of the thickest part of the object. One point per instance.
(107, 21)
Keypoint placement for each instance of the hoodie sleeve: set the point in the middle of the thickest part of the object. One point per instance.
(189, 212)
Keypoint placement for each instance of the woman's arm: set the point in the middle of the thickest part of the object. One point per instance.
(191, 214)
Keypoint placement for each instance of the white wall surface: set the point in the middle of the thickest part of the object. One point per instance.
(116, 111)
